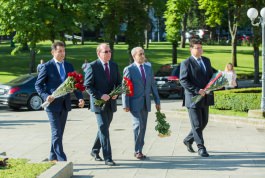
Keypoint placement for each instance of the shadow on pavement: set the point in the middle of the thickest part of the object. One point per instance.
(218, 161)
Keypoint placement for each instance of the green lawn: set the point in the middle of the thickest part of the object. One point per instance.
(158, 54)
(22, 168)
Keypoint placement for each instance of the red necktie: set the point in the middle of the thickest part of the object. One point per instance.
(107, 71)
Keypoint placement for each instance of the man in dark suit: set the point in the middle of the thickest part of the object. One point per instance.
(139, 104)
(52, 74)
(195, 73)
(102, 76)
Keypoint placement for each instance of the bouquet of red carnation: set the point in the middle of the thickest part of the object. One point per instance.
(126, 87)
(73, 82)
(217, 82)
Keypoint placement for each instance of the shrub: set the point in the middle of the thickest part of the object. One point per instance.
(238, 99)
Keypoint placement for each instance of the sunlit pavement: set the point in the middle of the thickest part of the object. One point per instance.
(235, 150)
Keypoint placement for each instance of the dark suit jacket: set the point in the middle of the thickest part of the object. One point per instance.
(49, 80)
(97, 84)
(193, 79)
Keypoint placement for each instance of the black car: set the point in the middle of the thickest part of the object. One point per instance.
(21, 92)
(167, 80)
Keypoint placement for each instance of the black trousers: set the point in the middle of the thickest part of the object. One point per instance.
(198, 119)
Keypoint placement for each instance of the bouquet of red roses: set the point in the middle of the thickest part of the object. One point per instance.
(125, 87)
(73, 82)
(217, 82)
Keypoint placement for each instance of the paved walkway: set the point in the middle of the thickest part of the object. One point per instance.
(237, 151)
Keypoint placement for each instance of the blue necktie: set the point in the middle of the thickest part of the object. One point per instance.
(143, 74)
(201, 65)
(62, 72)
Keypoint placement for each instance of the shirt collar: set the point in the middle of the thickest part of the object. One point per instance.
(56, 61)
(102, 62)
(138, 65)
(196, 58)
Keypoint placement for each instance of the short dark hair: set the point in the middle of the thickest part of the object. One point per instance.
(58, 43)
(195, 41)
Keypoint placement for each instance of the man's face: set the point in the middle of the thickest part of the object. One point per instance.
(139, 56)
(196, 50)
(59, 53)
(104, 53)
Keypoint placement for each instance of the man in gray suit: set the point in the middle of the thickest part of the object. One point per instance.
(102, 76)
(139, 104)
(195, 73)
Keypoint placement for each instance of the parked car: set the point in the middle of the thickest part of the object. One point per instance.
(21, 92)
(167, 80)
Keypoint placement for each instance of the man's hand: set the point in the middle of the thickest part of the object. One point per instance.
(202, 92)
(126, 109)
(105, 97)
(158, 107)
(50, 98)
(81, 103)
(114, 97)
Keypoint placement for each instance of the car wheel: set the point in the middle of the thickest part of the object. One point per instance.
(34, 103)
(164, 95)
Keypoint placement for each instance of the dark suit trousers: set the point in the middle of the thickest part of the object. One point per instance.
(57, 123)
(198, 120)
(104, 119)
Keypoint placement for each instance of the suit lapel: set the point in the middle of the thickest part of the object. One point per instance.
(56, 70)
(139, 75)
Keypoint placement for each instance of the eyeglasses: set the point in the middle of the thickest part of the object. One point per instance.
(141, 54)
(106, 52)
(198, 48)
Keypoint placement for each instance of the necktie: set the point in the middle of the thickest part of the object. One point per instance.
(62, 72)
(201, 65)
(143, 74)
(107, 71)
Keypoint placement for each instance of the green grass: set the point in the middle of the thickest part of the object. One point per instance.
(158, 54)
(228, 112)
(20, 168)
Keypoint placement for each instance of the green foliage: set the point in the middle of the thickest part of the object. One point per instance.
(238, 99)
(174, 16)
(19, 168)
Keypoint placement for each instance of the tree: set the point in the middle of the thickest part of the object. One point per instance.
(214, 11)
(258, 4)
(173, 26)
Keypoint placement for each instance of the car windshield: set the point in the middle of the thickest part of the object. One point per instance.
(21, 79)
(168, 70)
(164, 71)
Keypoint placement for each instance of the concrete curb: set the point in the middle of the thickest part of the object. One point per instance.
(59, 170)
(229, 119)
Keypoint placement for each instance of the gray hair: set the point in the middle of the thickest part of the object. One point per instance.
(135, 49)
(99, 46)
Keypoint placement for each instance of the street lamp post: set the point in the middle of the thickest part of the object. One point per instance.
(253, 14)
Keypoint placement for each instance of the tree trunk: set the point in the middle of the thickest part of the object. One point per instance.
(82, 34)
(32, 67)
(111, 45)
(256, 64)
(174, 52)
(146, 39)
(183, 30)
(234, 50)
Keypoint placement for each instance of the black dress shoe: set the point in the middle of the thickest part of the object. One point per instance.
(110, 163)
(202, 152)
(96, 156)
(189, 147)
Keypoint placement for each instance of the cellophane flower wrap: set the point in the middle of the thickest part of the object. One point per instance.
(162, 126)
(126, 87)
(217, 82)
(73, 82)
